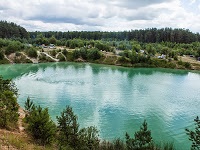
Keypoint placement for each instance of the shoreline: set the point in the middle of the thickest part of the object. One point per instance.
(119, 65)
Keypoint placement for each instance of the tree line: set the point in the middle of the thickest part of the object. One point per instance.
(150, 35)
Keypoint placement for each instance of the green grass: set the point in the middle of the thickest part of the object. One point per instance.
(20, 141)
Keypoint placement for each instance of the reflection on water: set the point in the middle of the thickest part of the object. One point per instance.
(115, 99)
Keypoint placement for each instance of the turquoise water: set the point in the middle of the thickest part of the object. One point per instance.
(114, 99)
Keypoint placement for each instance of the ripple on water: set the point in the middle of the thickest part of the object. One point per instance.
(116, 100)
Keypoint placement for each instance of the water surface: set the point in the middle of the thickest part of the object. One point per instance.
(114, 99)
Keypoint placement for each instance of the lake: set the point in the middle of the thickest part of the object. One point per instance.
(114, 99)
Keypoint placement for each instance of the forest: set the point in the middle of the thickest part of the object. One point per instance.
(166, 48)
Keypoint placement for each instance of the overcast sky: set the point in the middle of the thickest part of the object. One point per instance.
(101, 15)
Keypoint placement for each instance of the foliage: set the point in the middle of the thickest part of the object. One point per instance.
(142, 139)
(194, 136)
(117, 144)
(28, 105)
(32, 52)
(68, 128)
(65, 52)
(187, 65)
(89, 138)
(94, 54)
(150, 35)
(1, 55)
(40, 126)
(8, 104)
(13, 47)
(69, 135)
(52, 40)
(11, 30)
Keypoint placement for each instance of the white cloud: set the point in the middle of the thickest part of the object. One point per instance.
(112, 15)
(192, 2)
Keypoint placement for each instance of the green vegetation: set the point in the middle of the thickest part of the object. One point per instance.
(165, 48)
(11, 30)
(151, 35)
(67, 134)
(8, 104)
(40, 126)
(142, 140)
(31, 52)
(194, 136)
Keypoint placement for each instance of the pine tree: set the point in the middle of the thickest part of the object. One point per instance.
(194, 136)
(40, 126)
(142, 139)
(68, 128)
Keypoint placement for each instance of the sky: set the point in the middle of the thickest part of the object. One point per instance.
(101, 15)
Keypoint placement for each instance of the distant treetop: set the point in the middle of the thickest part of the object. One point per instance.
(150, 35)
(12, 30)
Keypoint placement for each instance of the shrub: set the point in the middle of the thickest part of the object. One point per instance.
(65, 52)
(13, 47)
(187, 65)
(76, 54)
(94, 54)
(32, 52)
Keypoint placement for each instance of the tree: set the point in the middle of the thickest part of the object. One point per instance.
(68, 129)
(28, 104)
(52, 40)
(142, 139)
(89, 137)
(1, 55)
(8, 104)
(40, 126)
(94, 54)
(194, 136)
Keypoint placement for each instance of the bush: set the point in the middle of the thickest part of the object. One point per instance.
(187, 65)
(61, 57)
(94, 54)
(65, 52)
(13, 47)
(76, 54)
(32, 52)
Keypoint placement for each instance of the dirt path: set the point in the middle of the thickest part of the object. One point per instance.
(8, 59)
(20, 120)
(35, 61)
(190, 60)
(61, 54)
(54, 59)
